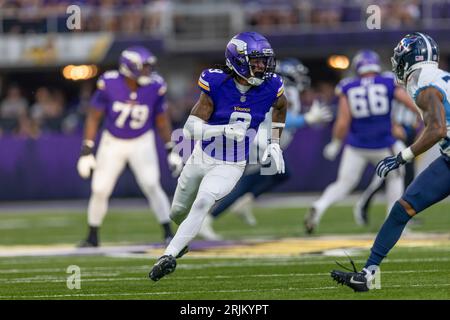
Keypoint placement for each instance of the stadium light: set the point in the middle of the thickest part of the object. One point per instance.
(82, 72)
(338, 62)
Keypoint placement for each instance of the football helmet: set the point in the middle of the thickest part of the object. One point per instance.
(245, 50)
(366, 61)
(294, 73)
(133, 62)
(412, 52)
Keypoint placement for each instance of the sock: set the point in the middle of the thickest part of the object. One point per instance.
(93, 235)
(167, 230)
(388, 235)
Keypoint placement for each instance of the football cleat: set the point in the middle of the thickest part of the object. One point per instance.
(358, 281)
(88, 244)
(355, 280)
(310, 223)
(164, 266)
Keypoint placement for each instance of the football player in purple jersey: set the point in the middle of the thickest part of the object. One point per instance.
(233, 103)
(364, 124)
(131, 101)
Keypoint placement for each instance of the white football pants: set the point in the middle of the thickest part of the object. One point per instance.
(203, 181)
(352, 165)
(112, 156)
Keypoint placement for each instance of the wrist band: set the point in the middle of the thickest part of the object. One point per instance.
(88, 143)
(276, 125)
(407, 154)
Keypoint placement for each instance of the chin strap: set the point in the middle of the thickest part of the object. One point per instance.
(351, 261)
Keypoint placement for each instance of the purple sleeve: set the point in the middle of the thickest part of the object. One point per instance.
(161, 105)
(99, 100)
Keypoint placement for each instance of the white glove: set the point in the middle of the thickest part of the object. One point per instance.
(318, 114)
(332, 149)
(175, 163)
(274, 151)
(236, 131)
(86, 164)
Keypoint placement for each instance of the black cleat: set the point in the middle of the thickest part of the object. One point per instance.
(88, 244)
(355, 280)
(182, 252)
(309, 222)
(164, 266)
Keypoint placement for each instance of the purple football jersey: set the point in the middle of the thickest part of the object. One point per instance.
(128, 114)
(230, 105)
(370, 101)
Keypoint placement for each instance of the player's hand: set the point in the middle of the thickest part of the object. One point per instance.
(318, 114)
(236, 131)
(388, 164)
(174, 160)
(332, 149)
(274, 152)
(175, 164)
(86, 163)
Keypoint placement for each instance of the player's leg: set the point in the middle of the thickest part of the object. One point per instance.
(360, 210)
(111, 159)
(145, 166)
(216, 184)
(350, 170)
(430, 187)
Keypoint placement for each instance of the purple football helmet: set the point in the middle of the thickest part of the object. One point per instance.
(133, 64)
(366, 61)
(250, 55)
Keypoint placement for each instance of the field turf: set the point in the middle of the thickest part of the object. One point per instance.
(413, 271)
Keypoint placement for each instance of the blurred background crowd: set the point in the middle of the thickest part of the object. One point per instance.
(137, 16)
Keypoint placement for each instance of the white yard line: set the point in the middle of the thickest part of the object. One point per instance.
(93, 295)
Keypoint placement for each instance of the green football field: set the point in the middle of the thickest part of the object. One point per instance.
(273, 260)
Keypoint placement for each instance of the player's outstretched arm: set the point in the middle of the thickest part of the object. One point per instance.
(340, 129)
(196, 127)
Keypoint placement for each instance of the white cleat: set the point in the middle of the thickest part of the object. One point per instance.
(243, 208)
(206, 230)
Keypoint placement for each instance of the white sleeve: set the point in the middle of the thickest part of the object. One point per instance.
(196, 128)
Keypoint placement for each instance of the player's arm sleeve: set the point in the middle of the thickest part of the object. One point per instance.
(294, 121)
(161, 102)
(205, 82)
(99, 100)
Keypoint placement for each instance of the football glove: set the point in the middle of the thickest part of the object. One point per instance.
(174, 160)
(318, 114)
(273, 151)
(332, 149)
(86, 163)
(236, 131)
(388, 164)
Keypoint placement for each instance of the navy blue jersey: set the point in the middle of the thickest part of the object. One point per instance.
(370, 101)
(230, 105)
